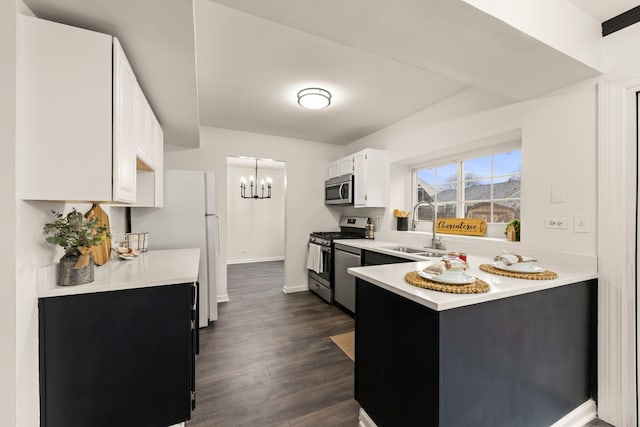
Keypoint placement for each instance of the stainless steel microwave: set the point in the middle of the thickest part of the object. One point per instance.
(339, 190)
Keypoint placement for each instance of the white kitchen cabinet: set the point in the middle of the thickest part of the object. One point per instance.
(79, 127)
(346, 165)
(150, 181)
(371, 178)
(125, 102)
(333, 170)
(340, 167)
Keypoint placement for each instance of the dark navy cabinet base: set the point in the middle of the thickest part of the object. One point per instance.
(122, 358)
(522, 361)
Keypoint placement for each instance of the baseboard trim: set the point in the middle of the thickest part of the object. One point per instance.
(576, 418)
(249, 261)
(579, 416)
(293, 289)
(364, 420)
(223, 298)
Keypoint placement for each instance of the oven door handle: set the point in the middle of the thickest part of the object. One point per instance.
(325, 249)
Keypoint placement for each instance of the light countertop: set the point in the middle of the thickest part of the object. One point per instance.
(153, 268)
(391, 277)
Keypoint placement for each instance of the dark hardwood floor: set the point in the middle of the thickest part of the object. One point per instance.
(268, 360)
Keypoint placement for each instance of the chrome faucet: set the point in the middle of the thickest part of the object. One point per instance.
(436, 241)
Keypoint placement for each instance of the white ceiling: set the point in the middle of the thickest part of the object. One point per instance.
(605, 9)
(382, 62)
(157, 36)
(240, 64)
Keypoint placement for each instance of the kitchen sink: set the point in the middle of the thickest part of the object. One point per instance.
(405, 249)
(414, 251)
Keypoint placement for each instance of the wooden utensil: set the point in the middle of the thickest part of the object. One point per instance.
(101, 251)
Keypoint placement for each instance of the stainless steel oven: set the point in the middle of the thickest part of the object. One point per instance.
(320, 275)
(321, 258)
(339, 190)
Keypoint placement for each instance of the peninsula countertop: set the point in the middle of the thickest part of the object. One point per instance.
(391, 277)
(152, 268)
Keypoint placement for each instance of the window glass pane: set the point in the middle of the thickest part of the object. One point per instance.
(427, 176)
(446, 174)
(507, 163)
(446, 193)
(477, 168)
(447, 211)
(506, 210)
(507, 187)
(424, 213)
(477, 190)
(480, 210)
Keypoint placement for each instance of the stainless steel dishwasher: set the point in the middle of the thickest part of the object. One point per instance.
(345, 284)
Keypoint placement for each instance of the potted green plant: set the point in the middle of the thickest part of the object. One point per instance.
(76, 236)
(512, 230)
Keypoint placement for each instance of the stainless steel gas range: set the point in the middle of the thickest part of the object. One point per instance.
(321, 261)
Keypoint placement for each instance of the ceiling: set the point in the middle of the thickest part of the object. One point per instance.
(238, 64)
(382, 63)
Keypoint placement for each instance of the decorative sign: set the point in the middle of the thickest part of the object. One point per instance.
(465, 226)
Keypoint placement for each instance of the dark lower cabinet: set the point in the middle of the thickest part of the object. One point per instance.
(523, 361)
(122, 358)
(377, 258)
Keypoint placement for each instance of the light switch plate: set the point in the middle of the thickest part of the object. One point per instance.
(581, 223)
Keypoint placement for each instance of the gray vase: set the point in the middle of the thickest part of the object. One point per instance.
(68, 276)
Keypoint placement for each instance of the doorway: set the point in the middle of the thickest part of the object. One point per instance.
(256, 190)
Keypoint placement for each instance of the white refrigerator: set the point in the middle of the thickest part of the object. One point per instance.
(187, 220)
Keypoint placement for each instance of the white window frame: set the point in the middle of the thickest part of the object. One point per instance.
(494, 230)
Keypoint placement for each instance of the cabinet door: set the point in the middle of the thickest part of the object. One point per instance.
(359, 179)
(346, 165)
(64, 115)
(124, 127)
(333, 169)
(159, 165)
(122, 358)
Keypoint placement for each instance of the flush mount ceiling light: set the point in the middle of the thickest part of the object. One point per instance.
(314, 98)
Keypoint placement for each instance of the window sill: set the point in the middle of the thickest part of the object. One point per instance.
(459, 236)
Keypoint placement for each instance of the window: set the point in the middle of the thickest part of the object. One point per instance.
(486, 187)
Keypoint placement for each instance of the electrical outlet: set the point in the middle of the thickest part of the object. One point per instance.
(557, 223)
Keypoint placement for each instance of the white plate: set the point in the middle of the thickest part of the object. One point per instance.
(520, 267)
(464, 280)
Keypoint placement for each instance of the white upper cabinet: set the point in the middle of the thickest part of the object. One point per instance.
(84, 124)
(125, 100)
(333, 169)
(346, 165)
(340, 167)
(370, 178)
(64, 112)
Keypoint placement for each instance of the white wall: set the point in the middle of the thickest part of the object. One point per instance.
(255, 228)
(558, 133)
(7, 213)
(305, 212)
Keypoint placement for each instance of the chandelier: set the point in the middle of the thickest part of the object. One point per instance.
(253, 187)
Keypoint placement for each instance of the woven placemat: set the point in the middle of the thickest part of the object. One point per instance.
(544, 275)
(477, 287)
